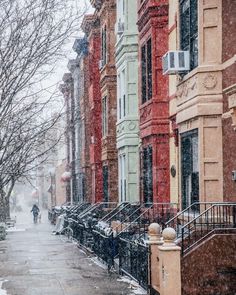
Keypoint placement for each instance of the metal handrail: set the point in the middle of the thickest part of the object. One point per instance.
(188, 208)
(83, 213)
(133, 213)
(112, 213)
(143, 213)
(208, 209)
(193, 224)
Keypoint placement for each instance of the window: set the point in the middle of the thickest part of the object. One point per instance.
(147, 175)
(121, 95)
(122, 177)
(120, 9)
(146, 58)
(104, 116)
(104, 45)
(189, 168)
(189, 29)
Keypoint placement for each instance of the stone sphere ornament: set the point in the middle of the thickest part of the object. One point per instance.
(169, 235)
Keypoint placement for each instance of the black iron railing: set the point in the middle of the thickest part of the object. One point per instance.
(217, 216)
(114, 214)
(106, 230)
(133, 261)
(133, 249)
(154, 212)
(87, 220)
(188, 214)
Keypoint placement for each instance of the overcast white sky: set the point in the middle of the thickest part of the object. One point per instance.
(55, 78)
(69, 53)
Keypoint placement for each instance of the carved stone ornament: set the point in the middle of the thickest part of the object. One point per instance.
(143, 113)
(132, 126)
(186, 88)
(173, 171)
(210, 81)
(118, 130)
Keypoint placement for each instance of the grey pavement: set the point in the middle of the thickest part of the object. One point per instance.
(35, 262)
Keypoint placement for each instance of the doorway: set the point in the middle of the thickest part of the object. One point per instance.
(189, 168)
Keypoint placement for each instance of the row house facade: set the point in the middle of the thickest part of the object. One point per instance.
(67, 89)
(156, 95)
(155, 86)
(127, 127)
(144, 135)
(75, 92)
(91, 28)
(202, 101)
(83, 113)
(105, 11)
(153, 101)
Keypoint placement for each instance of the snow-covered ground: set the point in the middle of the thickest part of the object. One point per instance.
(134, 286)
(2, 291)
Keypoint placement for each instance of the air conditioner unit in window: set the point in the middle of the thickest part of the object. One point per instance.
(174, 62)
(101, 64)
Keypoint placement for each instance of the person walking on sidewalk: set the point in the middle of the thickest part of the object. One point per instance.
(35, 210)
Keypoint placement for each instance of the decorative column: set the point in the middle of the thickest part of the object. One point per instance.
(169, 264)
(154, 232)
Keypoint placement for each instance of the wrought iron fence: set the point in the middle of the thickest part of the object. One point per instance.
(84, 223)
(133, 260)
(106, 230)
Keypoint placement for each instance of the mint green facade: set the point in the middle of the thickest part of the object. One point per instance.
(127, 100)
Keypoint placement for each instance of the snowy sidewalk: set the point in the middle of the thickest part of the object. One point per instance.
(35, 262)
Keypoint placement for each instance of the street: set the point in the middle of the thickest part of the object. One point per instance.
(35, 262)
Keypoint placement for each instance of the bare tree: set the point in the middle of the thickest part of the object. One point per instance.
(32, 35)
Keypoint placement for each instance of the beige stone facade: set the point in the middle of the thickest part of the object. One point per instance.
(196, 100)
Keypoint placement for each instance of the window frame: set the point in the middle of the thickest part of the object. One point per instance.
(121, 97)
(188, 17)
(104, 45)
(122, 177)
(104, 116)
(146, 71)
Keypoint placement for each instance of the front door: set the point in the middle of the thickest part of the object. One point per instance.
(189, 168)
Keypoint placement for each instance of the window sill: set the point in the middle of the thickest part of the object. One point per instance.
(147, 103)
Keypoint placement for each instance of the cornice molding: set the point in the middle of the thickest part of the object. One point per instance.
(90, 22)
(158, 13)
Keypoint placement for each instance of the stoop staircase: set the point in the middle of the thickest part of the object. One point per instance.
(206, 233)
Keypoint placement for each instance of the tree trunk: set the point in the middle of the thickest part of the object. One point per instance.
(7, 199)
(7, 206)
(3, 215)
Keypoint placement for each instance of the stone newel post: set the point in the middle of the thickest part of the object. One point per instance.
(154, 232)
(169, 262)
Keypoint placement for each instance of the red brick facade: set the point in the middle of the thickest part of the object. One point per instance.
(91, 27)
(106, 13)
(154, 112)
